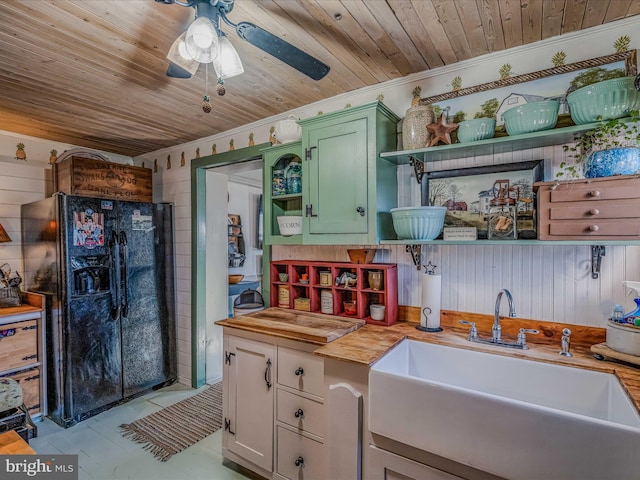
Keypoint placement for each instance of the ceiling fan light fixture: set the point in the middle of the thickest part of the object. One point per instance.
(201, 41)
(228, 63)
(178, 54)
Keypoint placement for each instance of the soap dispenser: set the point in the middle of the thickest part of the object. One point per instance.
(633, 316)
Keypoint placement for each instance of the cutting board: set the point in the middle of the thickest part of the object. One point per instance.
(610, 354)
(310, 327)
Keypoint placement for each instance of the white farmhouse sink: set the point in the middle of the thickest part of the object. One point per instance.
(515, 418)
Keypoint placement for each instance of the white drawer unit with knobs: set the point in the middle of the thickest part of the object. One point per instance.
(273, 406)
(300, 415)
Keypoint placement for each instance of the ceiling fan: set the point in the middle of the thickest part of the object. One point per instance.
(214, 10)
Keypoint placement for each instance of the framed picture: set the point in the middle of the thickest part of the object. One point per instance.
(470, 193)
(494, 98)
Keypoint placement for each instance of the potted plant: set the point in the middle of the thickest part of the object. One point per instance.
(611, 148)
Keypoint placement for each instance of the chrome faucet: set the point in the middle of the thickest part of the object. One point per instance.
(496, 330)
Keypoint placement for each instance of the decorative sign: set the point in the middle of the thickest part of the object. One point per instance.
(88, 229)
(460, 233)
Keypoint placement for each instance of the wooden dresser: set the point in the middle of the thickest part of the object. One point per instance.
(22, 355)
(591, 209)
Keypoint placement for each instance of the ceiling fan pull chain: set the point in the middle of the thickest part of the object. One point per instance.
(206, 100)
(220, 86)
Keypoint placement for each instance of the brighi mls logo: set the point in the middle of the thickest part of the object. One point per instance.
(44, 467)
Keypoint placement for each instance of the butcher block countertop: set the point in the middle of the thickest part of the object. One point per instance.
(315, 328)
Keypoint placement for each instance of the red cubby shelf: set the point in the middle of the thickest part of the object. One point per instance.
(361, 292)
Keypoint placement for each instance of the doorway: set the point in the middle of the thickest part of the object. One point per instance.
(212, 177)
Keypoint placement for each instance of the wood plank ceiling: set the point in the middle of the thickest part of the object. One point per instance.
(92, 72)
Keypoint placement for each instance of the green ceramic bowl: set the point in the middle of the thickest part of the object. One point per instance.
(476, 129)
(531, 117)
(613, 98)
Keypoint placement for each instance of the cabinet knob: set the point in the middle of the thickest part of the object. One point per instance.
(594, 211)
(360, 210)
(594, 193)
(299, 413)
(299, 371)
(299, 461)
(594, 228)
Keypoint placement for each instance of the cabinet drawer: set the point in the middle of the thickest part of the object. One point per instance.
(29, 381)
(596, 191)
(596, 228)
(590, 210)
(18, 344)
(294, 448)
(299, 412)
(301, 370)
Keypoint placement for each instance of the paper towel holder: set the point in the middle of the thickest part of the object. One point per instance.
(427, 329)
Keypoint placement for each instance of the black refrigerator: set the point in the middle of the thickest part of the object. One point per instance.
(107, 269)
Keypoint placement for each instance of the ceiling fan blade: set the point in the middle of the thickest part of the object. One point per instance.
(273, 45)
(176, 71)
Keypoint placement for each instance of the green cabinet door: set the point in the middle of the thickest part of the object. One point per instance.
(337, 179)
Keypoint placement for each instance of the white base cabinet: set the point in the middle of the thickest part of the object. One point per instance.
(273, 406)
(389, 466)
(249, 391)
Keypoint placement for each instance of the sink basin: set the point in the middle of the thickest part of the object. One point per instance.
(515, 418)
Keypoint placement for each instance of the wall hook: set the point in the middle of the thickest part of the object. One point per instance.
(597, 252)
(418, 167)
(416, 254)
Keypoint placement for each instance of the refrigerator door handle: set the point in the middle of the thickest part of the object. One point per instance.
(124, 304)
(114, 257)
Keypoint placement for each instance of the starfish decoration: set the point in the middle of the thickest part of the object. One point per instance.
(441, 130)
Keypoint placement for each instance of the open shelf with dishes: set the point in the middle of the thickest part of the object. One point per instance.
(342, 289)
(490, 146)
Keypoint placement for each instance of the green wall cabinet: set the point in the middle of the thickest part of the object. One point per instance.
(347, 188)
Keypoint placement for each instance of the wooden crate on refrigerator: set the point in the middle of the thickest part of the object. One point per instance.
(88, 177)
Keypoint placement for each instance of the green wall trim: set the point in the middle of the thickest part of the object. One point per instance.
(198, 249)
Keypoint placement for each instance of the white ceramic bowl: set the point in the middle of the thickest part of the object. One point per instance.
(288, 130)
(623, 338)
(290, 225)
(418, 223)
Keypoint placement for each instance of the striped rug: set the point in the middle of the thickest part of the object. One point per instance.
(180, 425)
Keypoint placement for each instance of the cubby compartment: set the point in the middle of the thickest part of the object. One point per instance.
(361, 284)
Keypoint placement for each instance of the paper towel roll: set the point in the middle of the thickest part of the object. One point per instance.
(431, 290)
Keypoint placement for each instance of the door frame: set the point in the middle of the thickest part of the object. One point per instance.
(199, 247)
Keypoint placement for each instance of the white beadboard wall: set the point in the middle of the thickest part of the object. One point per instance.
(174, 186)
(20, 182)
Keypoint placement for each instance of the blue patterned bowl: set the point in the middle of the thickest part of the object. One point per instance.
(613, 98)
(476, 129)
(531, 117)
(615, 161)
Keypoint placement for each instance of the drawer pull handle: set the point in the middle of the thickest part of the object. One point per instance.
(299, 413)
(594, 228)
(299, 371)
(299, 462)
(594, 212)
(594, 193)
(267, 374)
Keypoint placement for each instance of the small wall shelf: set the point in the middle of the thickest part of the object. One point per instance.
(362, 293)
(491, 146)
